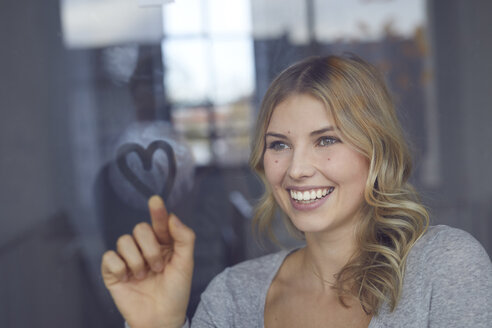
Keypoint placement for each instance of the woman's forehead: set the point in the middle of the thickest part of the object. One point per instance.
(300, 112)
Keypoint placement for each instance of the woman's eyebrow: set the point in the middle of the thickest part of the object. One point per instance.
(314, 133)
(323, 130)
(276, 135)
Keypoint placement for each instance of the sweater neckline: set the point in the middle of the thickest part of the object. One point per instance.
(278, 261)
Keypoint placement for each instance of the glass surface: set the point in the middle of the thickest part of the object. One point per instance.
(229, 17)
(187, 18)
(367, 20)
(86, 85)
(233, 69)
(187, 73)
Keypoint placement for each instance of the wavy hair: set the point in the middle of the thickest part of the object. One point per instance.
(356, 97)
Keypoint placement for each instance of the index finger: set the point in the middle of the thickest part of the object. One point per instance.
(160, 219)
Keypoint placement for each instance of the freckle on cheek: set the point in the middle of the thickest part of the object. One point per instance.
(276, 161)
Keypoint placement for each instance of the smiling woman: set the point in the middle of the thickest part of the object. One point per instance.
(330, 151)
(368, 169)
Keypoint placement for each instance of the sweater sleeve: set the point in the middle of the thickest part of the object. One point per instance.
(461, 274)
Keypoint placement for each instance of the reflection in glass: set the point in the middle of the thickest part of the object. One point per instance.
(229, 17)
(187, 77)
(232, 64)
(102, 23)
(209, 77)
(183, 18)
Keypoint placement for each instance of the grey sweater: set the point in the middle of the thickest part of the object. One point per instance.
(448, 283)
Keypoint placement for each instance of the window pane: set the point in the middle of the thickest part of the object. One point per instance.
(102, 23)
(229, 17)
(187, 78)
(183, 17)
(290, 19)
(366, 20)
(233, 70)
(194, 124)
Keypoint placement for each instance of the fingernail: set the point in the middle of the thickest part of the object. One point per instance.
(155, 201)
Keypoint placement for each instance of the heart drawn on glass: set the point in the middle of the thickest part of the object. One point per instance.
(146, 156)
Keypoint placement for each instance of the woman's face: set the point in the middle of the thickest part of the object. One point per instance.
(317, 180)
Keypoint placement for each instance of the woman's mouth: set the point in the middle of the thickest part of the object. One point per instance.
(310, 196)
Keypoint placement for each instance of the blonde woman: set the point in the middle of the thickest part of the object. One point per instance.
(331, 153)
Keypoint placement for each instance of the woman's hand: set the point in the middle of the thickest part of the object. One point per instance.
(149, 276)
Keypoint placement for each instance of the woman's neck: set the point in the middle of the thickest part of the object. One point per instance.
(325, 255)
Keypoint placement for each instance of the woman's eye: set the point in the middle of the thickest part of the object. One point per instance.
(326, 141)
(277, 145)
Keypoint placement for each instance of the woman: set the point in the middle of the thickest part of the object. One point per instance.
(331, 153)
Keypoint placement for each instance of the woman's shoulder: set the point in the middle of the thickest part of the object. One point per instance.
(237, 293)
(443, 237)
(442, 248)
(252, 271)
(248, 277)
(448, 283)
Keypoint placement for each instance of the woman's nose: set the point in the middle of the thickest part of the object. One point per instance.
(301, 165)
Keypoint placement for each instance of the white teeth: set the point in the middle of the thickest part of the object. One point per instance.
(310, 195)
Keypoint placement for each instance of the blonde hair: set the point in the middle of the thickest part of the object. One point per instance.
(357, 99)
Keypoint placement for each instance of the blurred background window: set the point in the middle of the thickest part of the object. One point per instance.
(209, 62)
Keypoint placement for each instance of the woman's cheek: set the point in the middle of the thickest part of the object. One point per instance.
(275, 167)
